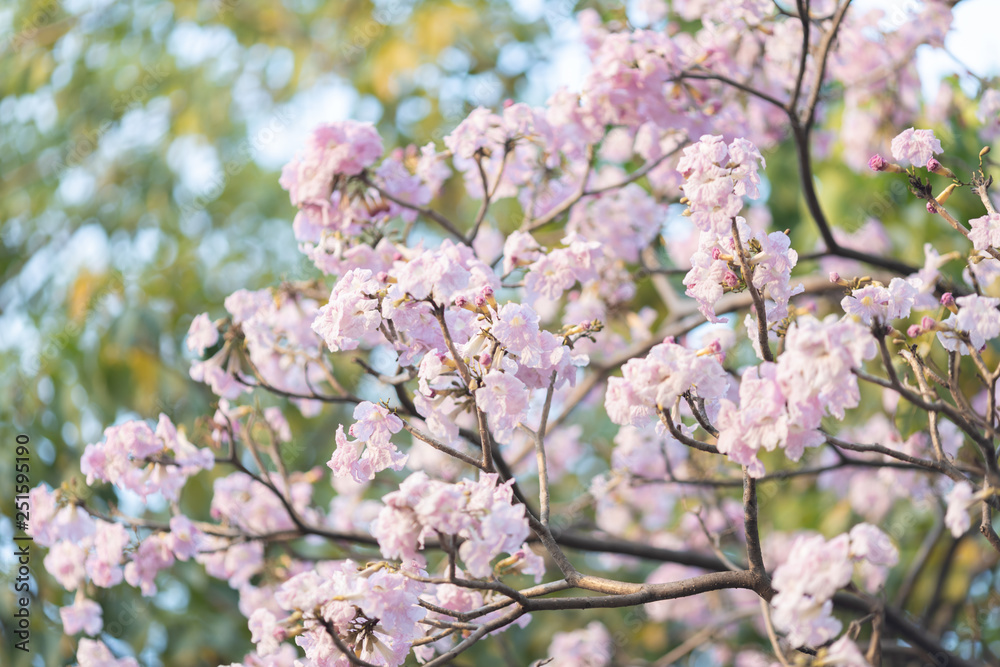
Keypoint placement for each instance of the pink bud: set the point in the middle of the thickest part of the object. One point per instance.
(460, 301)
(487, 291)
(877, 163)
(716, 253)
(715, 347)
(914, 330)
(933, 165)
(931, 208)
(382, 276)
(730, 279)
(834, 277)
(480, 301)
(947, 299)
(485, 359)
(927, 323)
(396, 256)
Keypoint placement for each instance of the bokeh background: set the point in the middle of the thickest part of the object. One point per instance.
(140, 146)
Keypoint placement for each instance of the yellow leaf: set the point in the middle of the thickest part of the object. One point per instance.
(187, 122)
(145, 374)
(392, 58)
(80, 293)
(439, 26)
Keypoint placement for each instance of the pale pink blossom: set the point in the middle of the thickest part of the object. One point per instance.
(985, 232)
(915, 146)
(202, 334)
(587, 647)
(82, 616)
(957, 517)
(93, 653)
(351, 313)
(504, 399)
(845, 653)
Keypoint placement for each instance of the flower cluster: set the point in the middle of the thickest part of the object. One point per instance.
(656, 381)
(782, 403)
(875, 302)
(373, 611)
(815, 569)
(374, 428)
(480, 514)
(716, 178)
(135, 458)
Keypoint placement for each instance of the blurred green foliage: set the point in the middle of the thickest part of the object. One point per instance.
(140, 146)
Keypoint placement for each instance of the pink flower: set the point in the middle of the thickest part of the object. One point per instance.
(83, 615)
(185, 538)
(374, 427)
(347, 148)
(845, 653)
(587, 647)
(659, 379)
(375, 424)
(957, 517)
(516, 327)
(504, 399)
(813, 572)
(345, 455)
(65, 562)
(915, 146)
(978, 317)
(152, 556)
(481, 512)
(202, 334)
(874, 554)
(91, 653)
(985, 232)
(351, 313)
(104, 563)
(716, 177)
(868, 303)
(432, 168)
(276, 420)
(265, 632)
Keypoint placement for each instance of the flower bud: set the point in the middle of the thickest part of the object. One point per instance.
(879, 163)
(946, 193)
(936, 167)
(488, 295)
(948, 301)
(914, 330)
